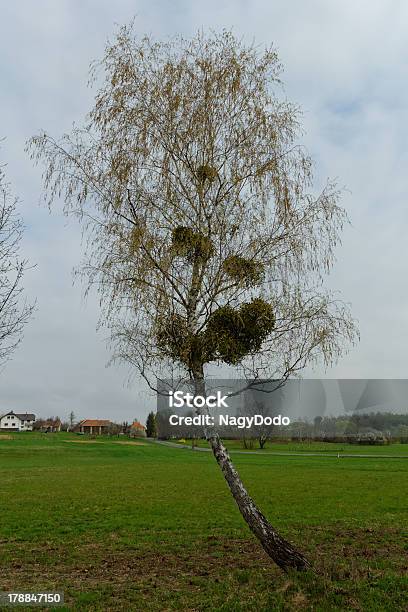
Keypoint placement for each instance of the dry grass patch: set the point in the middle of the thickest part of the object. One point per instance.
(84, 441)
(217, 573)
(131, 443)
(106, 442)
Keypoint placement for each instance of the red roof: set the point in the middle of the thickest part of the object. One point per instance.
(137, 425)
(94, 423)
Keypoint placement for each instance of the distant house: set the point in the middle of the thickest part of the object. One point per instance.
(137, 430)
(94, 426)
(13, 421)
(50, 425)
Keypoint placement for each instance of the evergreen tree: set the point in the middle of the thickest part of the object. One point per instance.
(151, 429)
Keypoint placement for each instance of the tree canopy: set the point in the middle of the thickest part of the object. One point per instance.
(198, 209)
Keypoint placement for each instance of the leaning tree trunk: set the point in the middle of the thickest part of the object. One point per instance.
(279, 549)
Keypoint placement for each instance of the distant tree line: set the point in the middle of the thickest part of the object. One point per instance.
(368, 428)
(372, 428)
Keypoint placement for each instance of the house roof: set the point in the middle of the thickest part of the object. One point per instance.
(137, 425)
(22, 416)
(94, 423)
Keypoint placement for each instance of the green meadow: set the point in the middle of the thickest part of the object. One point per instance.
(133, 525)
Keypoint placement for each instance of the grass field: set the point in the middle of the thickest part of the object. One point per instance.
(141, 526)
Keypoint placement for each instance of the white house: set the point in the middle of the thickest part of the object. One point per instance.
(17, 422)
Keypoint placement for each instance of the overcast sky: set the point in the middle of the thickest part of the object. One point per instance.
(345, 65)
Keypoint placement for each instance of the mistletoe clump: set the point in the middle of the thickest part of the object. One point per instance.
(176, 341)
(190, 244)
(206, 173)
(231, 334)
(245, 271)
(136, 237)
(234, 333)
(173, 338)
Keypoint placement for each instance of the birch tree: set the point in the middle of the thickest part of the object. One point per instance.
(14, 310)
(202, 231)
